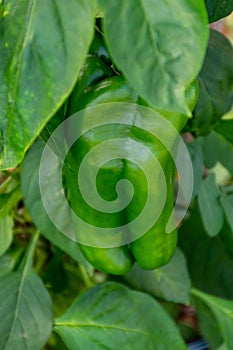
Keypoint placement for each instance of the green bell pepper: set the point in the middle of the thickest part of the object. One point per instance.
(155, 247)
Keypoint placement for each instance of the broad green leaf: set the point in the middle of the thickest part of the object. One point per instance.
(218, 148)
(207, 324)
(9, 260)
(42, 47)
(111, 316)
(210, 207)
(6, 233)
(196, 154)
(34, 204)
(223, 347)
(53, 123)
(218, 9)
(210, 267)
(222, 311)
(227, 204)
(159, 46)
(170, 282)
(26, 308)
(215, 90)
(7, 263)
(8, 200)
(225, 128)
(51, 126)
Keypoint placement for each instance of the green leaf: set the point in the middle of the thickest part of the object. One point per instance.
(8, 200)
(215, 90)
(210, 207)
(218, 148)
(170, 282)
(222, 311)
(215, 85)
(53, 123)
(111, 316)
(6, 233)
(219, 59)
(218, 9)
(42, 48)
(159, 46)
(196, 154)
(225, 128)
(7, 263)
(227, 204)
(26, 313)
(207, 324)
(210, 267)
(34, 204)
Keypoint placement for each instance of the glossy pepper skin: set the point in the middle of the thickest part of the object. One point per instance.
(118, 260)
(92, 72)
(155, 248)
(98, 48)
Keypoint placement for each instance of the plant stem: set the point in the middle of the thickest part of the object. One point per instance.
(85, 277)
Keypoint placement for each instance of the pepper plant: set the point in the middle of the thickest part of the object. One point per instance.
(108, 108)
